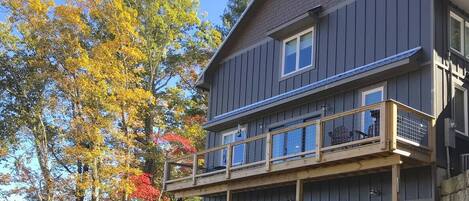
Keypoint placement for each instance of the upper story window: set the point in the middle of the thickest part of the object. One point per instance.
(230, 136)
(456, 33)
(298, 52)
(459, 34)
(460, 102)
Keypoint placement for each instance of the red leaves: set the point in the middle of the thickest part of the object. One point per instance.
(183, 144)
(143, 188)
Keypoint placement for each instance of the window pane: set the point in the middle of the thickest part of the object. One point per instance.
(306, 49)
(238, 150)
(456, 34)
(290, 57)
(294, 139)
(373, 98)
(310, 138)
(278, 142)
(371, 118)
(459, 110)
(226, 140)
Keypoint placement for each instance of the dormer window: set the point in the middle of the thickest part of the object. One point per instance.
(298, 52)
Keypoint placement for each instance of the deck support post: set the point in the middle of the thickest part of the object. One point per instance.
(299, 190)
(229, 195)
(195, 164)
(229, 156)
(396, 174)
(268, 151)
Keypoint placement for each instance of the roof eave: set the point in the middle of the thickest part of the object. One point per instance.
(202, 83)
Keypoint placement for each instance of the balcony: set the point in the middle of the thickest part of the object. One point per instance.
(368, 138)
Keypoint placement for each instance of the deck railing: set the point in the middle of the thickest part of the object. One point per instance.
(381, 124)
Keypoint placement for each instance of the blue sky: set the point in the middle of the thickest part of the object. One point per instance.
(213, 9)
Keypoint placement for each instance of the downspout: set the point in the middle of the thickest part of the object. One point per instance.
(450, 91)
(451, 111)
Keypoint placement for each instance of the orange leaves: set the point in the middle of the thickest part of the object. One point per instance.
(179, 143)
(144, 189)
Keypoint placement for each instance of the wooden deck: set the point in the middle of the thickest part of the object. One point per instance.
(405, 136)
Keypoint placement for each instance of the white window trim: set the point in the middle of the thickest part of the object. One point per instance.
(458, 85)
(462, 27)
(232, 132)
(297, 37)
(466, 39)
(372, 89)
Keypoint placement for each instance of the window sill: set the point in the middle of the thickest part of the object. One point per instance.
(453, 51)
(462, 136)
(295, 73)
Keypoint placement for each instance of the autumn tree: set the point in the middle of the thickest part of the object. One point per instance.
(177, 45)
(25, 91)
(231, 15)
(92, 90)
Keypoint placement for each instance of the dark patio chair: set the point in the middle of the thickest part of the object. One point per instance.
(373, 129)
(340, 135)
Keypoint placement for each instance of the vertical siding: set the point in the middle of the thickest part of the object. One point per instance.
(416, 184)
(351, 36)
(442, 85)
(406, 88)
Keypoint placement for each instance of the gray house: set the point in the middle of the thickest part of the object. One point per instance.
(334, 100)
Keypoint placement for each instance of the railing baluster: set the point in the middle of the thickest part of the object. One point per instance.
(229, 154)
(195, 164)
(318, 140)
(268, 151)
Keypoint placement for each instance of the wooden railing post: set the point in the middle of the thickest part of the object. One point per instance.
(195, 164)
(382, 125)
(391, 124)
(229, 159)
(268, 151)
(319, 138)
(165, 174)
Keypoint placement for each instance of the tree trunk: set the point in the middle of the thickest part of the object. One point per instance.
(149, 124)
(96, 181)
(79, 194)
(42, 154)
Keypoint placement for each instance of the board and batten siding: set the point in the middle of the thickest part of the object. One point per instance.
(350, 36)
(442, 75)
(416, 184)
(410, 88)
